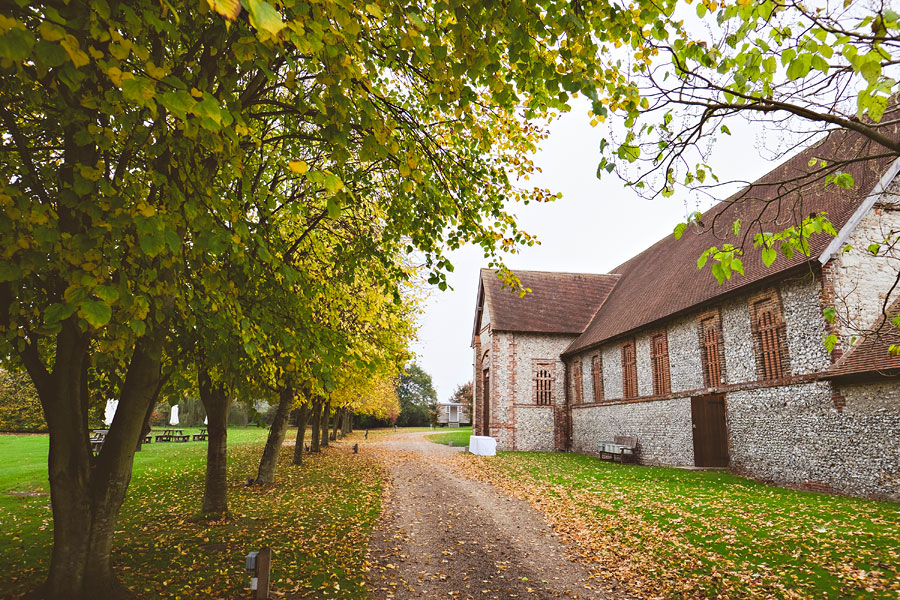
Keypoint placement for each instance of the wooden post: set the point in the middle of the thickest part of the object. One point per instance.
(263, 567)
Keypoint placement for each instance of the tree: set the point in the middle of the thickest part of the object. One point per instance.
(416, 394)
(464, 393)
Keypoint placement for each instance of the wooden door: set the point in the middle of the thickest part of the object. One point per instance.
(710, 431)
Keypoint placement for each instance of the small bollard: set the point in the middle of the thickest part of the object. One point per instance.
(451, 443)
(259, 564)
(355, 448)
(366, 436)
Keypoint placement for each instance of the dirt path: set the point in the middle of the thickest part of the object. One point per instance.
(449, 537)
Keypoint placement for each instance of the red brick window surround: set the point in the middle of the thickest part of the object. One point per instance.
(629, 371)
(577, 382)
(770, 342)
(597, 376)
(712, 348)
(543, 381)
(659, 358)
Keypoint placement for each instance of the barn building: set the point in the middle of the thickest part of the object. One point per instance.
(734, 375)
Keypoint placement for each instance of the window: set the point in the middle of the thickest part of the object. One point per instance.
(712, 350)
(544, 378)
(770, 344)
(577, 382)
(629, 371)
(659, 357)
(597, 376)
(770, 355)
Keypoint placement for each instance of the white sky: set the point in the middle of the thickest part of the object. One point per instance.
(594, 227)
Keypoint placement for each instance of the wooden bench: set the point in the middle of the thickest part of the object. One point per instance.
(179, 438)
(96, 446)
(202, 436)
(622, 449)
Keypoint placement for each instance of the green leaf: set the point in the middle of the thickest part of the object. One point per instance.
(9, 271)
(58, 312)
(829, 314)
(107, 293)
(736, 227)
(679, 230)
(177, 102)
(138, 90)
(871, 70)
(831, 341)
(334, 207)
(874, 248)
(95, 312)
(768, 256)
(16, 44)
(264, 17)
(333, 183)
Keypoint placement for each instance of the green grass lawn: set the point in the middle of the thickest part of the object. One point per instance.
(682, 534)
(459, 436)
(317, 518)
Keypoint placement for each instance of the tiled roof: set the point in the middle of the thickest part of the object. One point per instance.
(557, 302)
(870, 354)
(663, 280)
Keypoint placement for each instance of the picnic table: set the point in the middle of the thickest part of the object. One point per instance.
(202, 436)
(172, 435)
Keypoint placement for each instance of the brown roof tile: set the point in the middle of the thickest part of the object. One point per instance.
(557, 302)
(663, 280)
(870, 355)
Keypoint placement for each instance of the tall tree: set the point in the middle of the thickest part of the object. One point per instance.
(417, 396)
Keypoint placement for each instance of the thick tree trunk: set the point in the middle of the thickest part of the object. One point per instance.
(269, 461)
(314, 434)
(323, 424)
(86, 493)
(217, 404)
(302, 415)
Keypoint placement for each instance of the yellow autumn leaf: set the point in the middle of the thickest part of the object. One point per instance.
(78, 56)
(298, 166)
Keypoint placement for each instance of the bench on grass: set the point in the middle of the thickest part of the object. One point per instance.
(202, 436)
(96, 446)
(622, 449)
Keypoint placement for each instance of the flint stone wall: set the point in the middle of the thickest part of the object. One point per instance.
(662, 427)
(793, 435)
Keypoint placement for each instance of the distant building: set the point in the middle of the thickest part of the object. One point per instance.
(452, 414)
(734, 375)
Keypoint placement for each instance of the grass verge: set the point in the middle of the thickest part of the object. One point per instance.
(669, 533)
(317, 518)
(459, 437)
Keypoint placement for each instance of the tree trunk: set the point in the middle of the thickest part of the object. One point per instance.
(216, 402)
(345, 425)
(86, 493)
(302, 415)
(269, 461)
(338, 416)
(314, 434)
(323, 424)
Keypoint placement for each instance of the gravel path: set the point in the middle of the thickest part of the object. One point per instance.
(449, 537)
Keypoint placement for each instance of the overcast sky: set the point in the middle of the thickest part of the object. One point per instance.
(594, 227)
